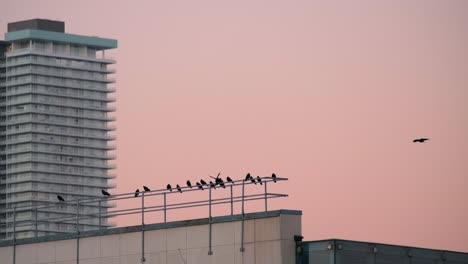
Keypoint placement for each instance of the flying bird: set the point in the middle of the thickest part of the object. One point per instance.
(199, 186)
(169, 187)
(203, 182)
(247, 177)
(178, 188)
(60, 198)
(228, 179)
(189, 184)
(259, 180)
(273, 176)
(420, 140)
(212, 185)
(137, 192)
(105, 193)
(146, 189)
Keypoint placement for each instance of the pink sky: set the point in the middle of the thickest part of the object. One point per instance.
(327, 93)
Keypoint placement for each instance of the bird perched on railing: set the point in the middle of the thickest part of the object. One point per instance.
(228, 179)
(217, 177)
(200, 186)
(60, 198)
(247, 177)
(273, 176)
(169, 187)
(105, 193)
(189, 184)
(137, 192)
(146, 189)
(212, 185)
(259, 180)
(203, 182)
(178, 188)
(221, 183)
(252, 179)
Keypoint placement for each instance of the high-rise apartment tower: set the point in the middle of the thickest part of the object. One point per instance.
(54, 128)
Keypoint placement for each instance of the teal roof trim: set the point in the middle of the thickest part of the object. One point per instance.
(98, 43)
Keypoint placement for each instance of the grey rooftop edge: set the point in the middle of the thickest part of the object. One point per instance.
(137, 228)
(317, 245)
(27, 34)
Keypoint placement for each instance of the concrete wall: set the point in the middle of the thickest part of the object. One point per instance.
(268, 239)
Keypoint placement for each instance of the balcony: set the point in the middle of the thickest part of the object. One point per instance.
(52, 142)
(63, 75)
(35, 80)
(31, 100)
(28, 110)
(60, 162)
(42, 61)
(65, 95)
(49, 53)
(36, 149)
(60, 172)
(60, 123)
(52, 131)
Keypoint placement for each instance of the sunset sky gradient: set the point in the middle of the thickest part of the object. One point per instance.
(327, 93)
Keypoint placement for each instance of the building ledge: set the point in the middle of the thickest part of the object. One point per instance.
(138, 228)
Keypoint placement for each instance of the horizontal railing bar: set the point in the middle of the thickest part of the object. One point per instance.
(152, 193)
(129, 211)
(260, 197)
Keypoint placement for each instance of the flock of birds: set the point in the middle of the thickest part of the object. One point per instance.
(218, 181)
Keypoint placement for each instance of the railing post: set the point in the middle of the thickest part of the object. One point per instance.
(35, 222)
(266, 197)
(210, 251)
(14, 234)
(78, 232)
(164, 208)
(100, 221)
(143, 227)
(242, 249)
(232, 203)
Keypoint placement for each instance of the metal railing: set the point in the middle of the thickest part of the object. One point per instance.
(94, 213)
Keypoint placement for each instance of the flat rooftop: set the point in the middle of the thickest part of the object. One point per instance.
(137, 228)
(50, 30)
(331, 251)
(38, 24)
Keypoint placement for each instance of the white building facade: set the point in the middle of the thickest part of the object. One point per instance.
(54, 127)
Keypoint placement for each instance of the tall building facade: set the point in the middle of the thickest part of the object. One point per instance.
(54, 128)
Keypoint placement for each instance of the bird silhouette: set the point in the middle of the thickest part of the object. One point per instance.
(247, 177)
(199, 186)
(273, 176)
(146, 189)
(212, 185)
(105, 193)
(203, 182)
(253, 180)
(178, 188)
(420, 140)
(189, 184)
(60, 198)
(228, 179)
(137, 192)
(217, 177)
(259, 180)
(221, 183)
(169, 187)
